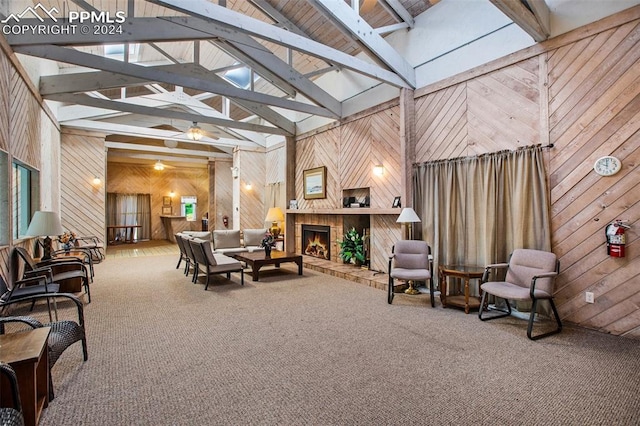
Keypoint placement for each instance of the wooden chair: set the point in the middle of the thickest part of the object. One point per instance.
(530, 276)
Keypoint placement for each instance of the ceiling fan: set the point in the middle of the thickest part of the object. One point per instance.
(160, 166)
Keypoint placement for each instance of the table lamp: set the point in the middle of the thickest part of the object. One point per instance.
(274, 215)
(407, 217)
(44, 224)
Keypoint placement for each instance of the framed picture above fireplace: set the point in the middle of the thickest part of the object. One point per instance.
(315, 183)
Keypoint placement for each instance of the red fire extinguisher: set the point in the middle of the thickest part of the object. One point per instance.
(616, 238)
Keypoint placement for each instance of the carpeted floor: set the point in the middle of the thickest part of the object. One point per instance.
(317, 350)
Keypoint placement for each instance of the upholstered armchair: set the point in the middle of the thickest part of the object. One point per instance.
(530, 276)
(211, 263)
(410, 261)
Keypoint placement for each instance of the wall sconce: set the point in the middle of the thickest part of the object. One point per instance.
(172, 194)
(378, 170)
(248, 187)
(194, 132)
(96, 181)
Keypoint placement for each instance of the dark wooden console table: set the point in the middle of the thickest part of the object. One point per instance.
(257, 260)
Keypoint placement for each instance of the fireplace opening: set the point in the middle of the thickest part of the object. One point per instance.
(316, 241)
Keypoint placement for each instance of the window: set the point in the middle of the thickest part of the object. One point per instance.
(24, 194)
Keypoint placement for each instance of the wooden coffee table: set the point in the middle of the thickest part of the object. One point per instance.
(258, 259)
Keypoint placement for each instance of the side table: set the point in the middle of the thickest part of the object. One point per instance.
(466, 273)
(27, 354)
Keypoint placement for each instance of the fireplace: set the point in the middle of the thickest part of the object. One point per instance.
(316, 241)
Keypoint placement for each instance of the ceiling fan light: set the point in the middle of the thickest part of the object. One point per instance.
(159, 166)
(194, 132)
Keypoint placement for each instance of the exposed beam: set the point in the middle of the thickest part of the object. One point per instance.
(399, 10)
(187, 79)
(542, 13)
(522, 17)
(348, 20)
(127, 105)
(254, 27)
(163, 150)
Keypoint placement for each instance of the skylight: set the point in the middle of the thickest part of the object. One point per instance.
(240, 77)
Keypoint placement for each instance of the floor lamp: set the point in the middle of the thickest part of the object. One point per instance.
(407, 218)
(44, 224)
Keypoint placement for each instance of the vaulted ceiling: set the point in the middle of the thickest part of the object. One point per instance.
(142, 71)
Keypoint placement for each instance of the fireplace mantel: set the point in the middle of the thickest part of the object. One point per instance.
(357, 210)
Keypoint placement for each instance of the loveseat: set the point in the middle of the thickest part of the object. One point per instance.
(231, 241)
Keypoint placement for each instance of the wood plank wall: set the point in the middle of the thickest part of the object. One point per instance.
(222, 194)
(82, 203)
(23, 120)
(349, 152)
(580, 92)
(131, 178)
(251, 207)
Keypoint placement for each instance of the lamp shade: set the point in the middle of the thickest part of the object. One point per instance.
(274, 215)
(44, 224)
(407, 215)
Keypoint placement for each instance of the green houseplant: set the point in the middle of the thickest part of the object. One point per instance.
(352, 248)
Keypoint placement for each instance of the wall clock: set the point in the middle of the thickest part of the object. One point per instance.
(607, 166)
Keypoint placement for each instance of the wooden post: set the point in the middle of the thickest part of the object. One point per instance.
(407, 145)
(290, 182)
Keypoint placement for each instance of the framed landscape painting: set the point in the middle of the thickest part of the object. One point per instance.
(315, 183)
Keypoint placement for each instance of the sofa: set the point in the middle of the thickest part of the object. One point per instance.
(231, 241)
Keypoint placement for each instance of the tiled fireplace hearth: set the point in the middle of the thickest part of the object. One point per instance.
(316, 241)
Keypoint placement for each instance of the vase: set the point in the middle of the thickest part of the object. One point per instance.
(267, 251)
(66, 247)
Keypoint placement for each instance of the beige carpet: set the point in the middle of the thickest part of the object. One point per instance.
(317, 350)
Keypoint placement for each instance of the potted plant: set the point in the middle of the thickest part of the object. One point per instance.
(352, 248)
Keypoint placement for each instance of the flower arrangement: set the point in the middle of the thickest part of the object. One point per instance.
(268, 240)
(67, 239)
(352, 247)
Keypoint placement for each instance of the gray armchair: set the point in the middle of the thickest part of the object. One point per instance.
(530, 276)
(211, 263)
(410, 261)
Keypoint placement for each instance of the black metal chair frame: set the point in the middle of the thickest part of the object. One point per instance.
(32, 267)
(534, 303)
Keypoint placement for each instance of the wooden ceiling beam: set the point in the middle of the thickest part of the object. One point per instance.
(522, 17)
(348, 20)
(253, 27)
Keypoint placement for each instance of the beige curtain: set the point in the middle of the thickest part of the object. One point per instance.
(130, 209)
(477, 210)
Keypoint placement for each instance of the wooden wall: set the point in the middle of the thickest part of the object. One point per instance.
(83, 158)
(581, 93)
(221, 193)
(144, 179)
(250, 210)
(28, 133)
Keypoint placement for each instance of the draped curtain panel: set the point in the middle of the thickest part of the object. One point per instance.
(130, 209)
(477, 210)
